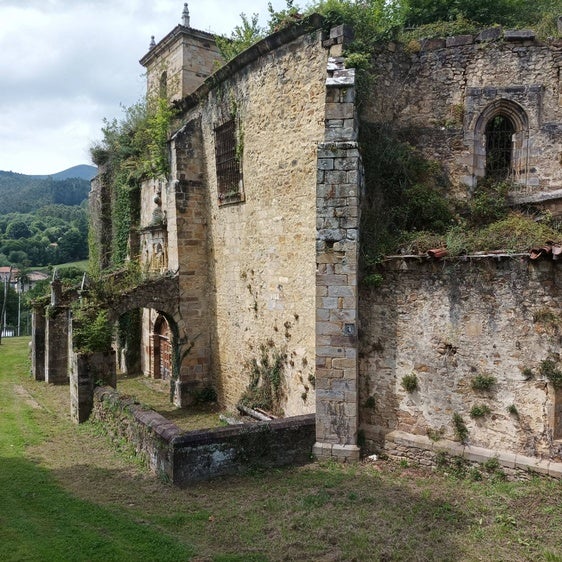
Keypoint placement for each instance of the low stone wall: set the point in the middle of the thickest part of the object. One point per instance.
(185, 457)
(420, 449)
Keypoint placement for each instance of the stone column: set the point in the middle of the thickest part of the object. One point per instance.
(57, 336)
(87, 370)
(56, 344)
(337, 251)
(188, 253)
(38, 344)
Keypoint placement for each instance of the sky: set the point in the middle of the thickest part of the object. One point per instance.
(67, 64)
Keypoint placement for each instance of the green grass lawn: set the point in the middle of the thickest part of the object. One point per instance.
(83, 265)
(66, 494)
(39, 519)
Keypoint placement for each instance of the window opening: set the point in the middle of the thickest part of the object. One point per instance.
(229, 176)
(499, 147)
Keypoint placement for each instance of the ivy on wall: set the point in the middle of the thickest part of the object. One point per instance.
(133, 149)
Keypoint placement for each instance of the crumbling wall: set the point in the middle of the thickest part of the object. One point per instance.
(187, 457)
(449, 323)
(433, 92)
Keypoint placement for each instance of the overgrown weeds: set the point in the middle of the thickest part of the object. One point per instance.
(267, 385)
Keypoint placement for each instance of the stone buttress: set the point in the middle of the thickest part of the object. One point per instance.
(337, 252)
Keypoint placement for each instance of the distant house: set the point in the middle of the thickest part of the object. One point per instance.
(21, 283)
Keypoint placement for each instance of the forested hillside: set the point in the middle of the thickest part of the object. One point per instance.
(42, 221)
(23, 194)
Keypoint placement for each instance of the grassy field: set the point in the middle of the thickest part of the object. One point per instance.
(65, 494)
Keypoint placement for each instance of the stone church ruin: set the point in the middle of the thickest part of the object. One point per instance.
(250, 251)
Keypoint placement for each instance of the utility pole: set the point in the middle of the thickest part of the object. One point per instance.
(19, 308)
(3, 315)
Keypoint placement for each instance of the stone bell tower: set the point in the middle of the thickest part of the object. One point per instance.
(179, 63)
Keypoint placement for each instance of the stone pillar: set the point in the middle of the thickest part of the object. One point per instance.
(188, 253)
(56, 344)
(38, 344)
(337, 252)
(88, 370)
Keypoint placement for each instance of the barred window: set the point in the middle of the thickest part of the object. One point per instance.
(227, 156)
(499, 147)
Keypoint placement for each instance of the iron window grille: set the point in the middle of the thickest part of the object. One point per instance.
(228, 163)
(499, 147)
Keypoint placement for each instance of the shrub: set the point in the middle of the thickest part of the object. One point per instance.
(266, 386)
(550, 371)
(410, 382)
(91, 330)
(488, 203)
(479, 411)
(461, 431)
(373, 280)
(512, 409)
(483, 382)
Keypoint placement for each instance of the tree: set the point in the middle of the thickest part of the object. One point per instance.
(243, 37)
(73, 246)
(485, 12)
(18, 229)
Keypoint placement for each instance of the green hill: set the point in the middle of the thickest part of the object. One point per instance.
(20, 193)
(43, 220)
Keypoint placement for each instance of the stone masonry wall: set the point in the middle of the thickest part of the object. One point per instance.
(187, 457)
(449, 322)
(261, 251)
(435, 92)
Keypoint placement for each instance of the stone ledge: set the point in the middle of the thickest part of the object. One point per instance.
(476, 454)
(336, 451)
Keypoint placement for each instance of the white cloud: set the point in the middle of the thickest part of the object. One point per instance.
(67, 64)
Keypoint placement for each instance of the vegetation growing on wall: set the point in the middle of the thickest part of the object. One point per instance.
(266, 387)
(407, 210)
(91, 330)
(132, 150)
(407, 20)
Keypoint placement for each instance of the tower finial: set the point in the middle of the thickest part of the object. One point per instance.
(185, 15)
(152, 43)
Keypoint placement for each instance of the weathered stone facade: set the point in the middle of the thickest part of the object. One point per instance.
(449, 323)
(442, 93)
(252, 244)
(180, 62)
(246, 268)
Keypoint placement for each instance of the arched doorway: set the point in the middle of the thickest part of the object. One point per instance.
(162, 348)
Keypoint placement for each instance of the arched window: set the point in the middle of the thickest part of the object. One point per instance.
(501, 134)
(499, 147)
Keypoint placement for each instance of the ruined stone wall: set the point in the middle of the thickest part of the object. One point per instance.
(262, 249)
(449, 322)
(435, 92)
(187, 457)
(99, 208)
(155, 200)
